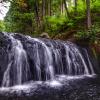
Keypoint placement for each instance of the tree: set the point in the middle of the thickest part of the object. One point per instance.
(88, 14)
(67, 12)
(36, 16)
(76, 6)
(19, 18)
(36, 12)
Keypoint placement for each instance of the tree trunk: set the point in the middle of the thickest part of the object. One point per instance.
(36, 11)
(62, 8)
(43, 8)
(46, 6)
(76, 7)
(88, 14)
(49, 7)
(67, 12)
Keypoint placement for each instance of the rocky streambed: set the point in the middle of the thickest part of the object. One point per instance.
(69, 88)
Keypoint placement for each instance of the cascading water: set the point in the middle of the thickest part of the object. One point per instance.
(18, 67)
(42, 59)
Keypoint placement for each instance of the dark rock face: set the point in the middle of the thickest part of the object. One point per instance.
(35, 68)
(28, 46)
(4, 49)
(24, 58)
(3, 62)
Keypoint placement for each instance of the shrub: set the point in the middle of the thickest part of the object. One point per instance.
(57, 24)
(2, 26)
(90, 35)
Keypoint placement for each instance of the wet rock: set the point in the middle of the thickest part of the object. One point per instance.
(45, 35)
(78, 89)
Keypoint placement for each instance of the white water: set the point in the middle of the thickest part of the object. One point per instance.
(48, 57)
(20, 58)
(51, 58)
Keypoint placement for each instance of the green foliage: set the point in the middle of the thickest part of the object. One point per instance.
(19, 22)
(95, 6)
(22, 18)
(18, 19)
(90, 35)
(2, 26)
(54, 24)
(58, 24)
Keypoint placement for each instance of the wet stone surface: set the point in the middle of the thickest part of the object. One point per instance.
(87, 88)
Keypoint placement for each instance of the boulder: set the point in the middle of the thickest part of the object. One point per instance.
(45, 35)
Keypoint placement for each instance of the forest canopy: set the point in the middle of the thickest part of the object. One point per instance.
(53, 16)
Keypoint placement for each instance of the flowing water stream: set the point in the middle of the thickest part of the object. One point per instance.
(42, 61)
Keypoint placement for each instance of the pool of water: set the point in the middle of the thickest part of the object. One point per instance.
(62, 88)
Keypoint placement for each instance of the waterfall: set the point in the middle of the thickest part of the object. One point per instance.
(48, 60)
(42, 59)
(18, 67)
